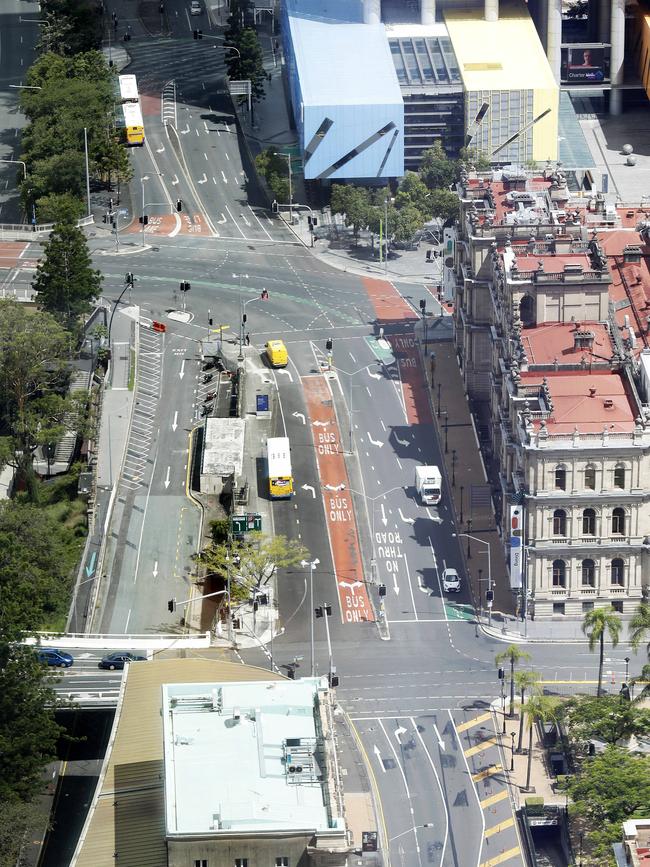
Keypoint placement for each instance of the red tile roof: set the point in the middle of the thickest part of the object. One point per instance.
(554, 342)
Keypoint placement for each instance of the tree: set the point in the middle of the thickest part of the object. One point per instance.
(352, 202)
(239, 10)
(436, 169)
(539, 709)
(444, 204)
(251, 562)
(33, 378)
(249, 64)
(512, 654)
(28, 732)
(413, 191)
(405, 222)
(595, 624)
(639, 626)
(59, 207)
(525, 681)
(644, 680)
(275, 170)
(609, 788)
(610, 718)
(17, 819)
(65, 281)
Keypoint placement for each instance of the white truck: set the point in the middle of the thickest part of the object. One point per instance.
(428, 483)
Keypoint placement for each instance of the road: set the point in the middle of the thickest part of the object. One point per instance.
(416, 678)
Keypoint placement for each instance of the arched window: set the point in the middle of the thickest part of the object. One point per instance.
(617, 571)
(619, 476)
(559, 522)
(559, 573)
(590, 477)
(618, 521)
(588, 573)
(527, 310)
(589, 522)
(560, 477)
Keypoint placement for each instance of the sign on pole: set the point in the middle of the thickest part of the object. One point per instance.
(516, 546)
(245, 523)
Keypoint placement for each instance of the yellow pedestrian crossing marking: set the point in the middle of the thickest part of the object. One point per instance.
(494, 799)
(484, 745)
(504, 856)
(508, 823)
(488, 772)
(473, 722)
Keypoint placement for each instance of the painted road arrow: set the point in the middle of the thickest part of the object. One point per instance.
(384, 519)
(155, 569)
(406, 520)
(174, 423)
(395, 585)
(90, 568)
(402, 442)
(169, 469)
(441, 743)
(299, 415)
(309, 488)
(375, 442)
(400, 730)
(377, 752)
(182, 370)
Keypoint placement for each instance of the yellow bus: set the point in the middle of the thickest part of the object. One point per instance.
(278, 458)
(133, 125)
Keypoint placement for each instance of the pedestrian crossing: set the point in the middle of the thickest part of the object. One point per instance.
(143, 421)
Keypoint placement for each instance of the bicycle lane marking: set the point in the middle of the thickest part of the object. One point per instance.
(392, 309)
(341, 523)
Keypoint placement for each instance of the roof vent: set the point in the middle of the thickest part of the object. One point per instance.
(608, 403)
(583, 339)
(632, 253)
(592, 392)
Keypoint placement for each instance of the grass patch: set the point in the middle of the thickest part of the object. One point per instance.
(132, 371)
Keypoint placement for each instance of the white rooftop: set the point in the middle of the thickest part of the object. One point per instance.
(223, 450)
(228, 763)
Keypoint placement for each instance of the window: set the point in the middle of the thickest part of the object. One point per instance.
(589, 522)
(587, 606)
(560, 477)
(619, 476)
(617, 605)
(617, 571)
(559, 573)
(559, 522)
(588, 573)
(200, 862)
(282, 861)
(241, 862)
(618, 521)
(590, 477)
(558, 608)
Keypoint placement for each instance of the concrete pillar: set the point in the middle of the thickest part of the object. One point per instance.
(372, 11)
(491, 10)
(427, 11)
(554, 36)
(603, 20)
(617, 36)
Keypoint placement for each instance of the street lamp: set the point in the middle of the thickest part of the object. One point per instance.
(353, 373)
(512, 752)
(489, 594)
(446, 415)
(462, 488)
(502, 678)
(142, 180)
(325, 610)
(438, 400)
(311, 564)
(240, 357)
(453, 468)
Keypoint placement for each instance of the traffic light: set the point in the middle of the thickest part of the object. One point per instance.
(197, 34)
(423, 304)
(382, 590)
(179, 205)
(144, 220)
(274, 206)
(328, 344)
(501, 674)
(489, 596)
(171, 606)
(129, 278)
(210, 320)
(185, 286)
(105, 218)
(244, 318)
(515, 523)
(333, 680)
(318, 612)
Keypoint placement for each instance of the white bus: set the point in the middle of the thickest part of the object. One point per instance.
(129, 88)
(278, 457)
(133, 125)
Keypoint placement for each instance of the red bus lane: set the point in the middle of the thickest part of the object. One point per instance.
(341, 523)
(391, 309)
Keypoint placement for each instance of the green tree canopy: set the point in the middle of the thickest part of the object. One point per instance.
(609, 718)
(249, 64)
(251, 562)
(65, 280)
(596, 624)
(71, 26)
(412, 191)
(609, 788)
(444, 204)
(28, 732)
(436, 169)
(639, 626)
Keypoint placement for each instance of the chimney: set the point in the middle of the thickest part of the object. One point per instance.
(592, 392)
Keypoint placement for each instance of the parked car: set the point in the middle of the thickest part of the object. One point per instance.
(195, 8)
(116, 661)
(450, 581)
(59, 658)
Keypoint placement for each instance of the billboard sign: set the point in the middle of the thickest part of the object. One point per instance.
(585, 64)
(516, 546)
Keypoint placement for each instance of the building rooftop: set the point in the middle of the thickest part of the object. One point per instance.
(223, 447)
(556, 343)
(583, 402)
(423, 55)
(231, 753)
(341, 62)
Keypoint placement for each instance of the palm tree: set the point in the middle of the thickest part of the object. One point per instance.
(539, 708)
(643, 678)
(595, 624)
(525, 681)
(513, 655)
(639, 626)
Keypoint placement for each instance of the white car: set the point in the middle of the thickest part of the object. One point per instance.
(450, 581)
(195, 8)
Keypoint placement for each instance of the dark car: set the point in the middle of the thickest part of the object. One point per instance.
(60, 658)
(116, 661)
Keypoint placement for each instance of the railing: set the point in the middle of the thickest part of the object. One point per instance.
(559, 276)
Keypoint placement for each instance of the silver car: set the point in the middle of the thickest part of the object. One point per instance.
(195, 8)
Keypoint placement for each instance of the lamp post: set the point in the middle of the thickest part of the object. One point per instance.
(438, 400)
(469, 538)
(453, 468)
(287, 157)
(446, 415)
(142, 180)
(487, 544)
(240, 357)
(350, 395)
(502, 678)
(311, 564)
(462, 488)
(325, 610)
(512, 752)
(386, 235)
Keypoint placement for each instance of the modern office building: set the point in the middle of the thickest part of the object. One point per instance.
(552, 300)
